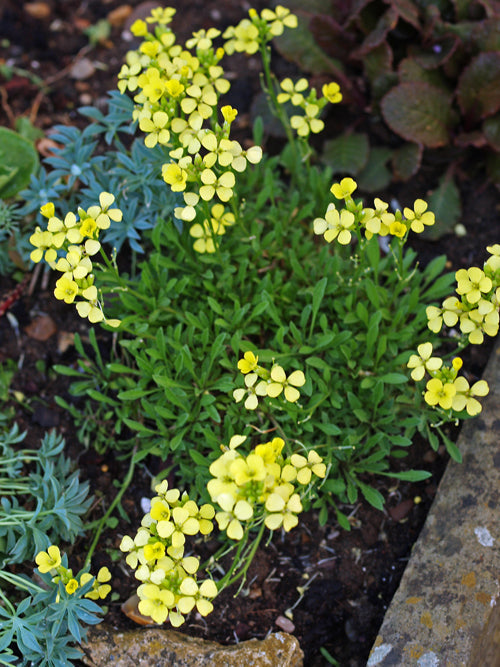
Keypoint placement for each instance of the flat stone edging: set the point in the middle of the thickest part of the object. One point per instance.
(446, 611)
(159, 647)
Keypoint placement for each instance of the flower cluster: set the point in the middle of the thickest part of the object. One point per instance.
(253, 33)
(68, 245)
(176, 93)
(169, 587)
(259, 381)
(476, 309)
(445, 388)
(354, 218)
(50, 561)
(259, 487)
(310, 104)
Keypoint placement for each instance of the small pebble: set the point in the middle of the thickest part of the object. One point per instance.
(82, 69)
(285, 624)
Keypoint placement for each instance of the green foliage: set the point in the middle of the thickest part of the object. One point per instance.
(349, 316)
(42, 480)
(432, 71)
(18, 160)
(78, 172)
(349, 322)
(43, 627)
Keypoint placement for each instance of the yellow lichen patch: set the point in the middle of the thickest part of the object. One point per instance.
(426, 620)
(483, 598)
(460, 623)
(469, 580)
(415, 651)
(378, 641)
(413, 600)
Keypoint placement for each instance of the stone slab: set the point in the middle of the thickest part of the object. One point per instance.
(446, 610)
(157, 647)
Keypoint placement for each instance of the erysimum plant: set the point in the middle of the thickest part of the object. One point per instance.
(285, 305)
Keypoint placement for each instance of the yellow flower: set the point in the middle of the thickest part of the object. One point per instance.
(244, 38)
(48, 560)
(472, 283)
(424, 361)
(249, 469)
(397, 228)
(248, 363)
(332, 92)
(293, 91)
(161, 15)
(156, 129)
(344, 189)
(204, 235)
(46, 244)
(335, 225)
(464, 398)
(279, 19)
(280, 382)
(155, 602)
(174, 176)
(419, 216)
(440, 394)
(308, 123)
(139, 28)
(228, 113)
(48, 210)
(313, 464)
(282, 510)
(66, 290)
(71, 586)
(212, 185)
(154, 551)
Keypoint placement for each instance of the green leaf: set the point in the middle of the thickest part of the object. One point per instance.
(478, 91)
(491, 130)
(299, 45)
(419, 112)
(444, 202)
(18, 160)
(347, 154)
(374, 497)
(406, 161)
(408, 475)
(394, 378)
(133, 394)
(375, 176)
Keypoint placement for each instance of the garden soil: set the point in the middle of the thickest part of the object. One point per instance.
(327, 586)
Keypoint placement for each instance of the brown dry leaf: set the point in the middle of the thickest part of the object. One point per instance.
(118, 16)
(65, 339)
(45, 146)
(41, 328)
(37, 10)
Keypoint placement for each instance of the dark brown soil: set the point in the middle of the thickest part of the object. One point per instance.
(346, 579)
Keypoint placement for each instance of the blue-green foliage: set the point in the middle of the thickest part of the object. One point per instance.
(45, 624)
(57, 498)
(79, 173)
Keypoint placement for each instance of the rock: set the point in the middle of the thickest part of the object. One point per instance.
(285, 624)
(155, 647)
(82, 69)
